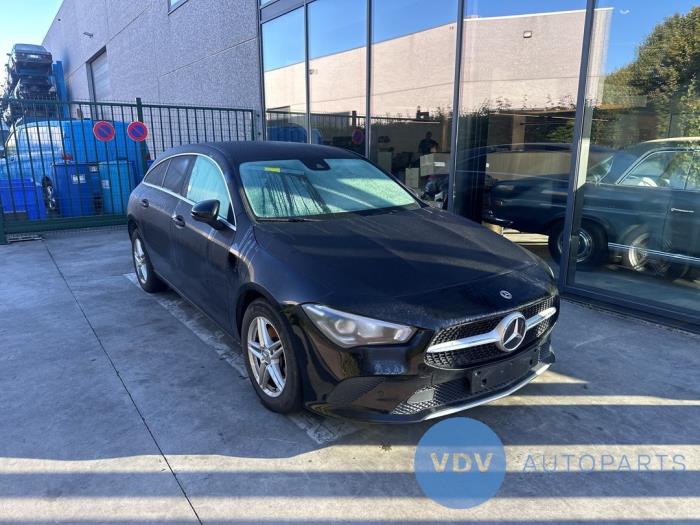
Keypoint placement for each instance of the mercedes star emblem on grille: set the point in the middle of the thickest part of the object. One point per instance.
(512, 331)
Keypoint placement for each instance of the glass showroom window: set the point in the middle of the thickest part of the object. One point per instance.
(519, 82)
(637, 217)
(337, 72)
(285, 82)
(413, 64)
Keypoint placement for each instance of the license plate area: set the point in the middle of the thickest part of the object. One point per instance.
(500, 374)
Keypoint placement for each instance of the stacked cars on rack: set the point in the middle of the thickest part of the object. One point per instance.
(29, 76)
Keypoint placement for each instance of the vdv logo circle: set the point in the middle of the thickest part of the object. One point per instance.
(460, 463)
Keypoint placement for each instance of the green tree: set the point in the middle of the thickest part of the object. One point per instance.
(665, 75)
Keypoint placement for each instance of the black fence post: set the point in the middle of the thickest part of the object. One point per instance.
(142, 144)
(3, 237)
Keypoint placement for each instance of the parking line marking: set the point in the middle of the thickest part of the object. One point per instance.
(350, 509)
(593, 399)
(320, 429)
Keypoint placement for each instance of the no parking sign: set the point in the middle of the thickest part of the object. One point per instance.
(137, 131)
(103, 131)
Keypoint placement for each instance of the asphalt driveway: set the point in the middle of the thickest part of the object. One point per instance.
(121, 407)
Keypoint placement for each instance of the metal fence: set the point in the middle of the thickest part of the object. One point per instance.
(74, 164)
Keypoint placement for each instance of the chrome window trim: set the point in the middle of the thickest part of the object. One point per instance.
(489, 337)
(658, 253)
(183, 198)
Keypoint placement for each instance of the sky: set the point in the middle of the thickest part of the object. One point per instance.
(24, 21)
(338, 25)
(27, 21)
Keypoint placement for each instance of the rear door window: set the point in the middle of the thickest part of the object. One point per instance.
(155, 175)
(177, 173)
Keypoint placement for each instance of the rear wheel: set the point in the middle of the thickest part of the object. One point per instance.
(637, 257)
(49, 194)
(592, 246)
(145, 274)
(270, 358)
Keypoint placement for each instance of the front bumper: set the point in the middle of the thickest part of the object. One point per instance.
(395, 385)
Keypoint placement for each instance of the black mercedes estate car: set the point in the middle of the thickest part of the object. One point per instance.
(351, 297)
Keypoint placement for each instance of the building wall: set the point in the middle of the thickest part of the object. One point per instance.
(204, 52)
(418, 69)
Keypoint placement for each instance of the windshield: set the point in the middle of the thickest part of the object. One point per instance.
(288, 189)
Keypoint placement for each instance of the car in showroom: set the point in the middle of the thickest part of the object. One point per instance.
(351, 296)
(640, 207)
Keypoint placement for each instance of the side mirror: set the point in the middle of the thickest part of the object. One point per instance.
(207, 212)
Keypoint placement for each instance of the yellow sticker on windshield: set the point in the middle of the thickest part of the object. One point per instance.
(273, 169)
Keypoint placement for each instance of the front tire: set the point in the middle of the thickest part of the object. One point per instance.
(270, 358)
(592, 244)
(145, 274)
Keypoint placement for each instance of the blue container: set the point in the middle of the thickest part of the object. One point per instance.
(78, 189)
(22, 197)
(117, 181)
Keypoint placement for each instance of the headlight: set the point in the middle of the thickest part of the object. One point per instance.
(348, 330)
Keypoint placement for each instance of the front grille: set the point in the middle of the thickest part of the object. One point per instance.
(467, 357)
(452, 392)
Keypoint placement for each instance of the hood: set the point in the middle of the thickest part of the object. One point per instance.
(393, 255)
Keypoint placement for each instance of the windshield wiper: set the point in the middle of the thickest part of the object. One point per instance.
(292, 219)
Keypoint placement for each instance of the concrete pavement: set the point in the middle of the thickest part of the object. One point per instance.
(120, 407)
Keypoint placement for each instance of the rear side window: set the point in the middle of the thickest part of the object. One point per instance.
(155, 175)
(177, 172)
(207, 182)
(694, 176)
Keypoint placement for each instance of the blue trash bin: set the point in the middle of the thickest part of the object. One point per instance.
(77, 189)
(23, 197)
(117, 181)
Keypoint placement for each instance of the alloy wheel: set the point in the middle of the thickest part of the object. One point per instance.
(585, 246)
(140, 261)
(266, 356)
(639, 259)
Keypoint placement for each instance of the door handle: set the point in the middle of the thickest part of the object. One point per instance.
(179, 221)
(681, 210)
(145, 203)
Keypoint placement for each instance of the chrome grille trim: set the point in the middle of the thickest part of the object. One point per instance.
(540, 318)
(490, 337)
